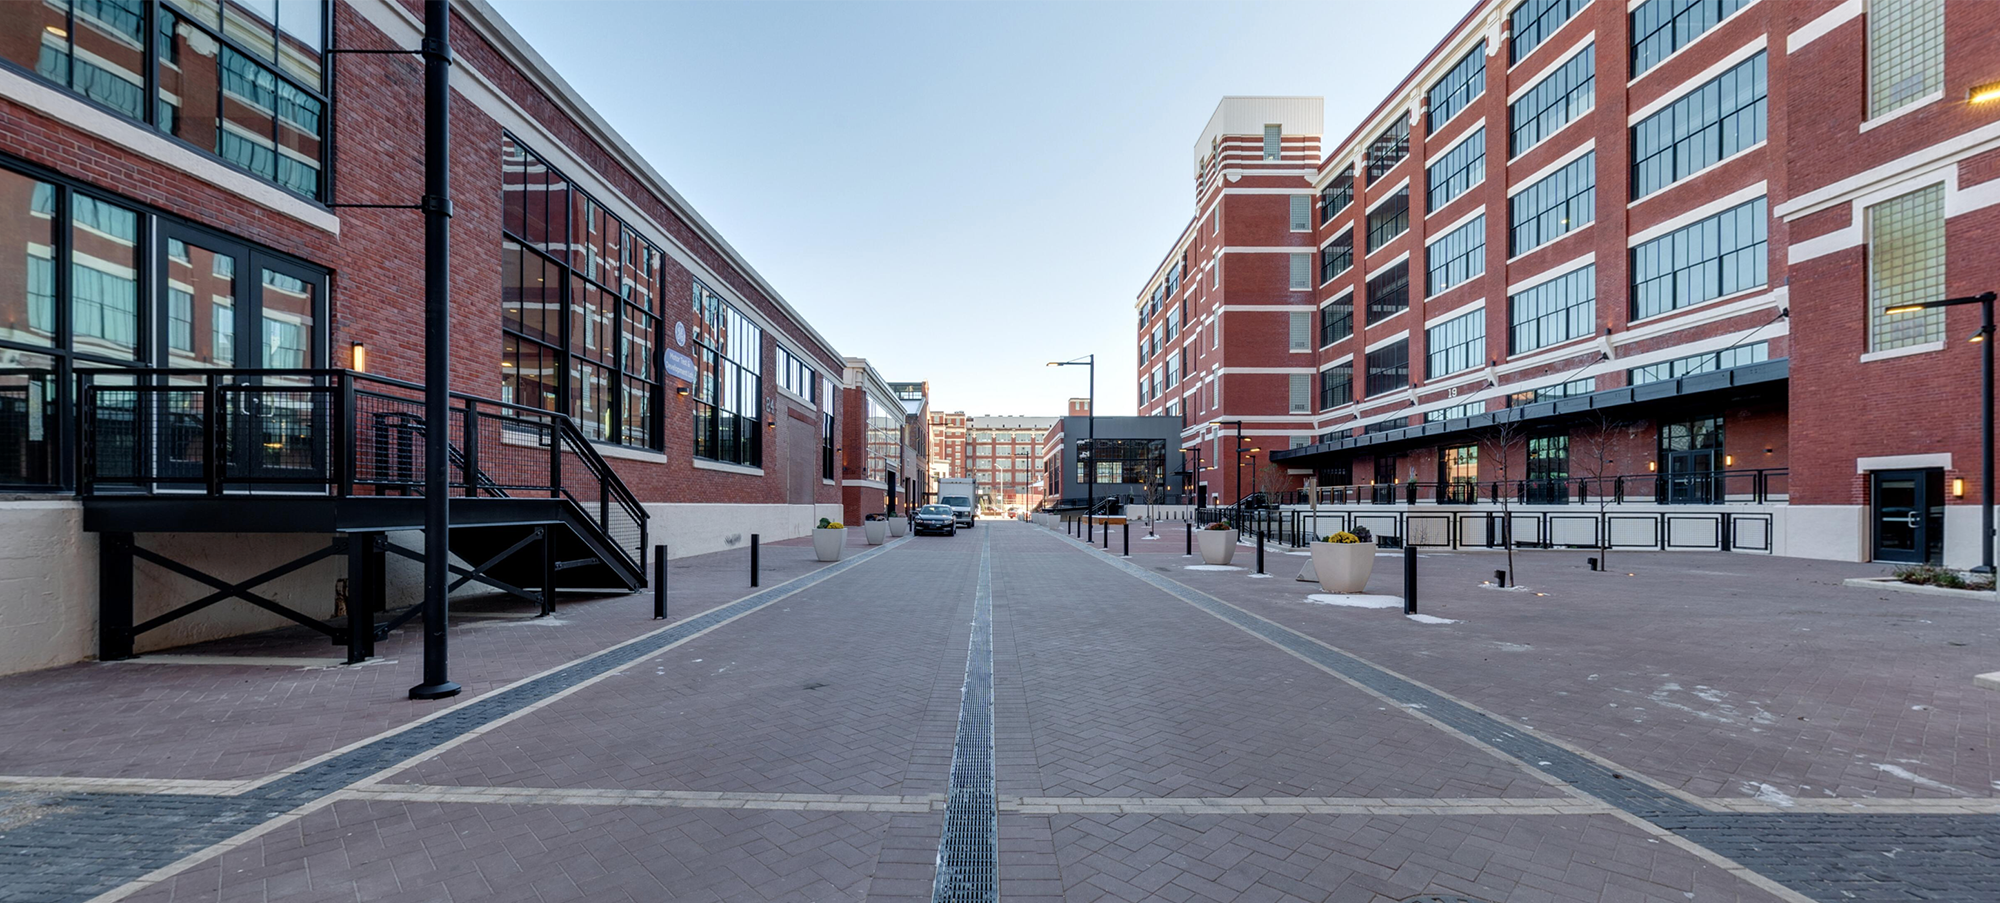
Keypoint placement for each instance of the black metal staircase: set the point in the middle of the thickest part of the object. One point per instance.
(535, 508)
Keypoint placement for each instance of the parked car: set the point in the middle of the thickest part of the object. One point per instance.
(937, 519)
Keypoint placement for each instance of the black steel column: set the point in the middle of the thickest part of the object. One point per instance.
(360, 604)
(114, 596)
(1986, 434)
(659, 583)
(548, 544)
(437, 349)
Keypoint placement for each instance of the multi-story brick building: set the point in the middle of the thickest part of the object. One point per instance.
(1567, 250)
(947, 444)
(1003, 454)
(181, 223)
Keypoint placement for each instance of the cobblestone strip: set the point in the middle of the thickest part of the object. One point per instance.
(969, 852)
(66, 848)
(1810, 855)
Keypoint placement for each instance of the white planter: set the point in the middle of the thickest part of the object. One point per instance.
(877, 531)
(828, 541)
(1217, 546)
(899, 526)
(1343, 567)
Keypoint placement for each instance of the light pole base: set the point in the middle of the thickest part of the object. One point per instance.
(434, 691)
(1981, 569)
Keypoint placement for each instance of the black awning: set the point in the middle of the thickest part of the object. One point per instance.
(1761, 373)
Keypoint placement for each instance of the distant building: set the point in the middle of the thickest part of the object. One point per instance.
(1137, 459)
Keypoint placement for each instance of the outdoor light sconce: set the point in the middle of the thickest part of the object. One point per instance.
(681, 391)
(1729, 460)
(1958, 487)
(358, 362)
(1983, 93)
(1653, 466)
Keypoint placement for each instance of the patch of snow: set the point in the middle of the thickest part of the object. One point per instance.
(532, 622)
(1356, 600)
(1765, 793)
(1513, 647)
(1432, 619)
(1914, 778)
(1211, 567)
(1488, 584)
(1260, 576)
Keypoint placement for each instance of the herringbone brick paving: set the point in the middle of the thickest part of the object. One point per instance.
(1104, 686)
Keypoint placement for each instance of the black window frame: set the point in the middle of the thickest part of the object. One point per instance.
(1533, 22)
(1388, 368)
(1389, 148)
(1389, 219)
(1336, 319)
(1563, 96)
(1336, 196)
(1336, 256)
(1457, 88)
(1569, 299)
(1455, 345)
(1557, 205)
(1710, 123)
(1389, 292)
(1336, 386)
(1456, 171)
(1456, 257)
(1659, 28)
(1751, 218)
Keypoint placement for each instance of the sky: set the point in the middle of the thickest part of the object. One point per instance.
(961, 192)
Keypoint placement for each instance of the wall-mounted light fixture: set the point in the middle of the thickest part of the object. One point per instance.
(358, 362)
(1983, 93)
(1728, 460)
(681, 391)
(1958, 487)
(1653, 466)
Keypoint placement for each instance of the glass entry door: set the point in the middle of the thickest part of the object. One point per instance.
(1907, 509)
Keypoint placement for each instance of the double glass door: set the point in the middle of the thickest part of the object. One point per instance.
(1907, 508)
(226, 306)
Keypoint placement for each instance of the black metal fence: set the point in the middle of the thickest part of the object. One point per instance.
(1660, 530)
(1719, 487)
(337, 433)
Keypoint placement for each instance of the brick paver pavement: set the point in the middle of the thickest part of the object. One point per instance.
(1160, 733)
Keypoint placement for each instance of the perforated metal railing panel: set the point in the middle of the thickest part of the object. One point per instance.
(968, 853)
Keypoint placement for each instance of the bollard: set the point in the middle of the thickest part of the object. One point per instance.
(1500, 578)
(1190, 538)
(1593, 563)
(1128, 539)
(659, 583)
(753, 559)
(1409, 580)
(1260, 551)
(1107, 537)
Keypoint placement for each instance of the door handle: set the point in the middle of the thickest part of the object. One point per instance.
(1910, 520)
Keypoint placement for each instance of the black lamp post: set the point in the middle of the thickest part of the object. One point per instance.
(1090, 473)
(1239, 452)
(437, 350)
(1192, 469)
(1984, 339)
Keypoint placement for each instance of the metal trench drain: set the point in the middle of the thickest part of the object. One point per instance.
(968, 853)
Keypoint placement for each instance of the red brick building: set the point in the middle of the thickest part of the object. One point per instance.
(1566, 251)
(170, 192)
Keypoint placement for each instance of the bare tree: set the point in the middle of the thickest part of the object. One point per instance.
(1596, 455)
(1501, 445)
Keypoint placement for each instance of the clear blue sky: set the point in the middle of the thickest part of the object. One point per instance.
(961, 192)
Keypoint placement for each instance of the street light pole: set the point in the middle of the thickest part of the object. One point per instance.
(1985, 339)
(1090, 473)
(437, 351)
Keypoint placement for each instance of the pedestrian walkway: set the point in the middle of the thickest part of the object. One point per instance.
(1149, 732)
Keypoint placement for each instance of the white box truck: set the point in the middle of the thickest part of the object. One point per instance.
(962, 494)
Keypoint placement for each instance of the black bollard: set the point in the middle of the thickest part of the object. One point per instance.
(1260, 551)
(1409, 580)
(1190, 538)
(1500, 578)
(1107, 537)
(753, 559)
(1128, 539)
(1593, 563)
(659, 583)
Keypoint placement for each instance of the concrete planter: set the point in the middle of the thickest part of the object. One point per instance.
(1343, 567)
(1217, 546)
(828, 542)
(899, 526)
(877, 531)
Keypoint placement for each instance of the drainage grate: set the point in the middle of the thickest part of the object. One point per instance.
(1439, 898)
(968, 853)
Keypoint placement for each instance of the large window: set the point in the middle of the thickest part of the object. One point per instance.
(1336, 386)
(1458, 470)
(1388, 149)
(1456, 345)
(1337, 257)
(1737, 356)
(827, 457)
(1141, 461)
(1336, 319)
(1721, 255)
(729, 387)
(1457, 170)
(1554, 102)
(1389, 368)
(1553, 207)
(1336, 195)
(1905, 53)
(1906, 266)
(1389, 219)
(1389, 292)
(91, 283)
(581, 303)
(238, 80)
(1456, 90)
(1274, 141)
(1701, 128)
(1660, 27)
(794, 375)
(1534, 21)
(1553, 312)
(1456, 257)
(885, 440)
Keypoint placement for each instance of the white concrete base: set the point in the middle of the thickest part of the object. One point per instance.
(1990, 680)
(698, 529)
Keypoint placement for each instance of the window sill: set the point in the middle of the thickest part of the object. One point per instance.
(705, 464)
(1712, 302)
(628, 453)
(1900, 112)
(1905, 351)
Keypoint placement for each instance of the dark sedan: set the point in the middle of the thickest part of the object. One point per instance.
(936, 519)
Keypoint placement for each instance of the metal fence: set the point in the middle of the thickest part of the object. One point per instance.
(1658, 530)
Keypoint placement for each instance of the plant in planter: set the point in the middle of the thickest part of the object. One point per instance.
(829, 537)
(1218, 543)
(1344, 561)
(900, 525)
(876, 528)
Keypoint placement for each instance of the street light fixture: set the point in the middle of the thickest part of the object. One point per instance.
(1985, 302)
(1090, 473)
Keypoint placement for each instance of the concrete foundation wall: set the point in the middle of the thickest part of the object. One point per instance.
(697, 529)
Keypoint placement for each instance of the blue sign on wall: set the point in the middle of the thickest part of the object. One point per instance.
(677, 364)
